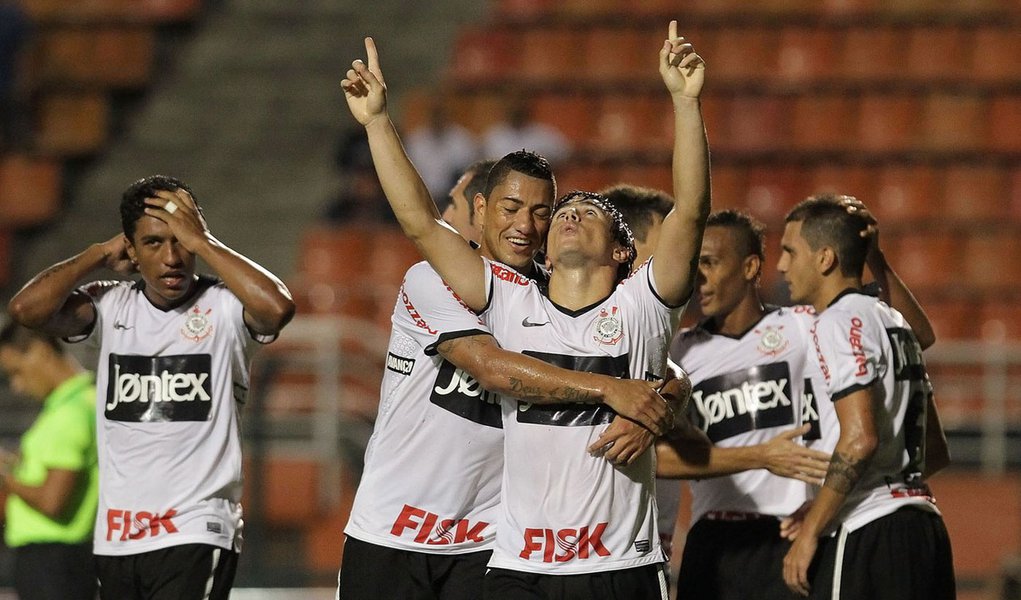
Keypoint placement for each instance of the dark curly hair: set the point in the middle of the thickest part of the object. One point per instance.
(133, 199)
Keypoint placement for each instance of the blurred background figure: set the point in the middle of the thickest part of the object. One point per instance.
(358, 199)
(51, 485)
(441, 149)
(521, 132)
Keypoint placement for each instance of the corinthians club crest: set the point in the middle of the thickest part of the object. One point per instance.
(772, 342)
(609, 329)
(197, 326)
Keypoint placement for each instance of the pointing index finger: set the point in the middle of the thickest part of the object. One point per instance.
(672, 30)
(373, 57)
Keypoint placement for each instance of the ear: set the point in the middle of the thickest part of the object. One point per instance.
(130, 248)
(752, 267)
(620, 254)
(826, 260)
(479, 208)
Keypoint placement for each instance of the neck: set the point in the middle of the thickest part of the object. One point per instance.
(578, 287)
(831, 288)
(747, 312)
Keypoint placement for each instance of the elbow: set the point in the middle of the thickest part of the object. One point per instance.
(863, 446)
(22, 312)
(926, 339)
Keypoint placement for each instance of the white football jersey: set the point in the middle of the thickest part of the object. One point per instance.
(432, 467)
(169, 388)
(860, 340)
(746, 390)
(563, 511)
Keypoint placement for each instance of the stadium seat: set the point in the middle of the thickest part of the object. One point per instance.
(549, 55)
(72, 123)
(773, 190)
(743, 54)
(1005, 122)
(584, 176)
(590, 8)
(729, 186)
(873, 54)
(482, 55)
(823, 123)
(994, 55)
(953, 122)
(952, 319)
(656, 176)
(844, 8)
(571, 114)
(289, 490)
(1000, 319)
(807, 55)
(478, 110)
(757, 124)
(926, 64)
(906, 195)
(927, 260)
(627, 123)
(844, 180)
(613, 54)
(524, 10)
(30, 191)
(975, 193)
(110, 56)
(887, 123)
(990, 260)
(167, 11)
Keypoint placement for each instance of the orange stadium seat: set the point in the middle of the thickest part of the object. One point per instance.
(990, 260)
(926, 260)
(995, 52)
(1000, 319)
(549, 55)
(1005, 122)
(591, 8)
(571, 114)
(773, 190)
(289, 490)
(482, 54)
(30, 190)
(847, 7)
(613, 54)
(110, 56)
(656, 176)
(807, 55)
(951, 319)
(729, 186)
(715, 113)
(524, 10)
(583, 176)
(887, 123)
(953, 122)
(906, 194)
(170, 10)
(873, 53)
(478, 111)
(845, 180)
(70, 123)
(823, 123)
(926, 65)
(975, 193)
(743, 54)
(632, 122)
(757, 123)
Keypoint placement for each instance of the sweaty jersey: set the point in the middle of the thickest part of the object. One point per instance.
(563, 511)
(746, 390)
(432, 467)
(169, 388)
(861, 341)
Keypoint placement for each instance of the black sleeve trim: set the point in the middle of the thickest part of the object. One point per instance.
(648, 279)
(850, 390)
(81, 337)
(430, 350)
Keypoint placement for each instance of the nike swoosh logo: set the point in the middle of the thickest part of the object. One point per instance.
(526, 323)
(119, 325)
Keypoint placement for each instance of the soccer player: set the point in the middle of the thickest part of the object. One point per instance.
(873, 530)
(173, 373)
(439, 431)
(459, 211)
(52, 486)
(580, 515)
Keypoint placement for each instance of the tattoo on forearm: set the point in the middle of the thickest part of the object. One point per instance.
(57, 268)
(844, 472)
(561, 394)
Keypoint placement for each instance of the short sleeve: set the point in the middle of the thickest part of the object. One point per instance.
(430, 312)
(70, 435)
(848, 350)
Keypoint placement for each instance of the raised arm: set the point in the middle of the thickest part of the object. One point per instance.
(532, 380)
(49, 302)
(460, 266)
(676, 253)
(266, 300)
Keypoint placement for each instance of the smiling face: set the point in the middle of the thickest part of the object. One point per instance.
(725, 275)
(798, 264)
(166, 267)
(516, 219)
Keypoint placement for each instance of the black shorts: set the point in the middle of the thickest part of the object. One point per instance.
(903, 556)
(186, 572)
(54, 572)
(734, 560)
(639, 583)
(372, 572)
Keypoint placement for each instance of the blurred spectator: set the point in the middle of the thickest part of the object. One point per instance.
(441, 150)
(360, 198)
(14, 31)
(520, 132)
(53, 486)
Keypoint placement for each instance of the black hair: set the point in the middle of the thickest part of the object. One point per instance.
(479, 172)
(638, 205)
(521, 161)
(133, 199)
(825, 221)
(751, 231)
(19, 337)
(619, 228)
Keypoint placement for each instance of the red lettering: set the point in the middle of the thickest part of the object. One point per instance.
(574, 543)
(450, 531)
(426, 528)
(404, 520)
(143, 524)
(474, 534)
(854, 338)
(568, 540)
(114, 519)
(505, 274)
(530, 544)
(593, 541)
(443, 536)
(414, 314)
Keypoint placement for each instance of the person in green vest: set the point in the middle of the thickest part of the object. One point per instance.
(51, 484)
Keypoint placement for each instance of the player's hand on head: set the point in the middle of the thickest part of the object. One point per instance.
(622, 442)
(180, 212)
(364, 87)
(115, 250)
(682, 69)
